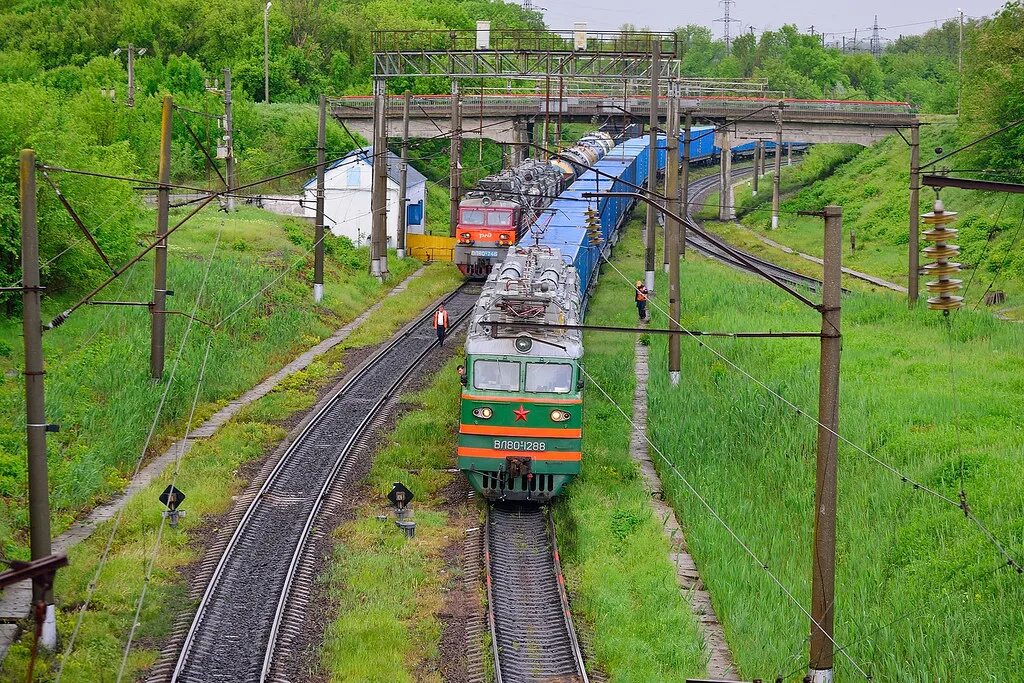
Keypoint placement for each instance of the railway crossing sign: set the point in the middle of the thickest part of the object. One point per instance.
(172, 497)
(400, 496)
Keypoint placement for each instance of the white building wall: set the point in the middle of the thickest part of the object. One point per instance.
(347, 203)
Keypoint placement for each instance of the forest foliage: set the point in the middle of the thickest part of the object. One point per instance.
(57, 55)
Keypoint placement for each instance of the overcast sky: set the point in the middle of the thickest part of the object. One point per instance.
(831, 17)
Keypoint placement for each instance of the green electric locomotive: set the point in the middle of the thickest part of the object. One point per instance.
(520, 431)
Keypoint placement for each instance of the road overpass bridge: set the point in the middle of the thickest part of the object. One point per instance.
(507, 118)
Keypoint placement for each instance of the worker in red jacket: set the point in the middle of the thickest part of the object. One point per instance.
(641, 300)
(441, 323)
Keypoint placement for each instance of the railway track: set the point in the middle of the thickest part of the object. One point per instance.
(715, 247)
(243, 615)
(532, 634)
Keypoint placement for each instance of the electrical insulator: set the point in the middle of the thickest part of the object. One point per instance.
(943, 288)
(593, 227)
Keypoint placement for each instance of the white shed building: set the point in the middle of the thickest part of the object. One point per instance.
(347, 184)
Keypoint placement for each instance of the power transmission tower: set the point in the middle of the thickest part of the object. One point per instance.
(727, 20)
(132, 52)
(876, 40)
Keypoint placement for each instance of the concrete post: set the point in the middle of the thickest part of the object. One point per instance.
(318, 231)
(32, 334)
(684, 184)
(403, 177)
(673, 229)
(778, 173)
(913, 244)
(229, 138)
(650, 241)
(757, 160)
(158, 327)
(824, 558)
(455, 159)
(726, 208)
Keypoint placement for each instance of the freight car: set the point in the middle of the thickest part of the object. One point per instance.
(520, 430)
(496, 214)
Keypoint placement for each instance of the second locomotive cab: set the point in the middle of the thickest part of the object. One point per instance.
(500, 209)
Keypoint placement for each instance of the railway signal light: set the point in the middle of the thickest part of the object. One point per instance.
(172, 498)
(943, 288)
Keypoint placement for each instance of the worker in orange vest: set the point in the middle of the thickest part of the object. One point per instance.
(441, 323)
(641, 300)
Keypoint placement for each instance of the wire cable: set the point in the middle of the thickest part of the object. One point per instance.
(181, 446)
(905, 478)
(725, 525)
(94, 583)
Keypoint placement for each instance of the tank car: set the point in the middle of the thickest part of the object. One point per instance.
(499, 211)
(521, 415)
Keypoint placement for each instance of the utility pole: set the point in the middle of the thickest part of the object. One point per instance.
(757, 160)
(960, 63)
(379, 188)
(318, 236)
(36, 426)
(913, 245)
(229, 139)
(824, 558)
(133, 52)
(158, 327)
(672, 234)
(726, 210)
(671, 191)
(652, 168)
(455, 158)
(684, 185)
(776, 181)
(266, 54)
(403, 176)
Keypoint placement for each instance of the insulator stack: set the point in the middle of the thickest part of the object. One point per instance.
(594, 227)
(945, 287)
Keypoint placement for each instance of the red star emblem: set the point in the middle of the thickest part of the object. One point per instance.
(521, 413)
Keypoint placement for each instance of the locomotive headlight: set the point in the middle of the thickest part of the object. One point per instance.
(523, 344)
(559, 415)
(483, 413)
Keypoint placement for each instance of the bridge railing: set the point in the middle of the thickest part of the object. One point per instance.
(492, 104)
(523, 40)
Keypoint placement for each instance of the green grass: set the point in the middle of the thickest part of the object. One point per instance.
(615, 556)
(872, 189)
(210, 476)
(921, 595)
(388, 591)
(97, 384)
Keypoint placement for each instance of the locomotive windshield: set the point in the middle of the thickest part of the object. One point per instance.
(499, 218)
(553, 378)
(472, 217)
(496, 375)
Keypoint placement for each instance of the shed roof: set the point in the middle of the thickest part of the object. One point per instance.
(365, 156)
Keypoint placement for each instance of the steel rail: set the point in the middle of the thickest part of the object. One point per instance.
(528, 552)
(358, 434)
(711, 249)
(218, 574)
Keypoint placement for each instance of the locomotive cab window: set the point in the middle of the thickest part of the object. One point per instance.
(499, 218)
(471, 217)
(495, 375)
(550, 378)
